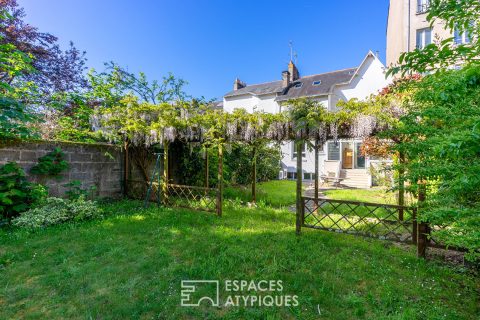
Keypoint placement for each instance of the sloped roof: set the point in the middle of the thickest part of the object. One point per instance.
(327, 80)
(258, 89)
(308, 89)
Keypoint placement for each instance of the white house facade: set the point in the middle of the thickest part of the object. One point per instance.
(343, 157)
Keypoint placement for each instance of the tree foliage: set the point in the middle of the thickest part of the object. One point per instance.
(440, 137)
(56, 70)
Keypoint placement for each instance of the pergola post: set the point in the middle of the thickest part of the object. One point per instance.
(206, 167)
(401, 184)
(316, 174)
(165, 173)
(299, 218)
(126, 169)
(254, 174)
(220, 181)
(422, 227)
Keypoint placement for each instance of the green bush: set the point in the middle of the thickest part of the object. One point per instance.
(16, 193)
(51, 164)
(237, 164)
(75, 190)
(56, 211)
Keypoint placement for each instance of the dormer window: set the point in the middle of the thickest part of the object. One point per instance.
(317, 83)
(298, 85)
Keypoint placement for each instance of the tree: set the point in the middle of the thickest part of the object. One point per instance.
(440, 138)
(116, 82)
(15, 118)
(56, 70)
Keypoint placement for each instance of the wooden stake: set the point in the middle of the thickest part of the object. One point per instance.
(165, 173)
(126, 169)
(206, 168)
(316, 174)
(401, 185)
(220, 181)
(254, 174)
(422, 230)
(299, 188)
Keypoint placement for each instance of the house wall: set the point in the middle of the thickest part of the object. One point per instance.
(370, 79)
(403, 23)
(96, 165)
(252, 103)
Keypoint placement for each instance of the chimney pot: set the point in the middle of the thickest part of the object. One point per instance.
(238, 84)
(285, 78)
(292, 69)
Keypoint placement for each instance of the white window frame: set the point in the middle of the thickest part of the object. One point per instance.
(422, 36)
(461, 38)
(294, 151)
(422, 6)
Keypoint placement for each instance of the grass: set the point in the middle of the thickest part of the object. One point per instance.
(375, 195)
(276, 193)
(130, 265)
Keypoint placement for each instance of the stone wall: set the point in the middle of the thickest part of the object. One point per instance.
(98, 165)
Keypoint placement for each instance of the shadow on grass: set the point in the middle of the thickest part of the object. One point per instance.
(130, 265)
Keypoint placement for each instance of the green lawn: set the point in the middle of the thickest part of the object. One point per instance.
(276, 193)
(375, 195)
(130, 266)
(280, 193)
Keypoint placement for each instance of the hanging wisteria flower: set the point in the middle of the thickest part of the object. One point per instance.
(363, 126)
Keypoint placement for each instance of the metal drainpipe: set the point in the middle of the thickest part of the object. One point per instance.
(409, 24)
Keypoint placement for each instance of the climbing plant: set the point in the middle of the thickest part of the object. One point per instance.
(51, 164)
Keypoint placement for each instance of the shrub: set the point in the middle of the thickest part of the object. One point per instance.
(56, 211)
(16, 193)
(51, 164)
(75, 190)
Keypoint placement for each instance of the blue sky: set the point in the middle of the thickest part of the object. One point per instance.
(210, 43)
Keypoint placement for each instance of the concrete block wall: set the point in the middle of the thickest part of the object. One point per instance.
(99, 165)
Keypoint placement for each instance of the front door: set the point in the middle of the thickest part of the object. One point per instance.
(347, 159)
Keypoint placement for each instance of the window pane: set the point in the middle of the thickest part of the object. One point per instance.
(294, 150)
(428, 37)
(457, 36)
(419, 39)
(333, 151)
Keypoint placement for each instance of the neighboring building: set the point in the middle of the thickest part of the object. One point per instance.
(408, 29)
(328, 88)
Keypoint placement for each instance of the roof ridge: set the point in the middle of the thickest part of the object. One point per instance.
(312, 75)
(257, 84)
(321, 74)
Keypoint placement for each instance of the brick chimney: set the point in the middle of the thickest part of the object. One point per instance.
(292, 69)
(238, 84)
(285, 78)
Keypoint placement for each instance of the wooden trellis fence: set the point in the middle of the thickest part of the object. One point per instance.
(381, 221)
(162, 191)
